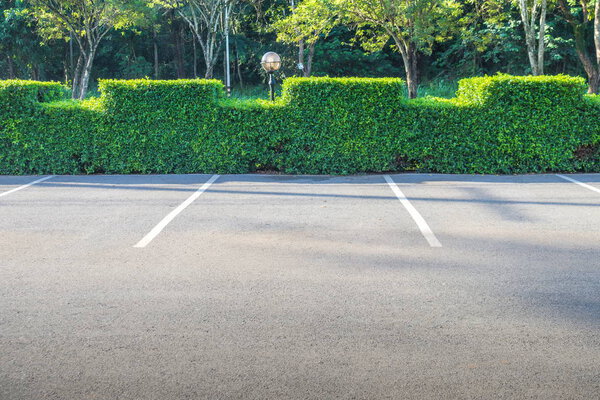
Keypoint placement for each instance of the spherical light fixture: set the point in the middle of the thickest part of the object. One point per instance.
(271, 62)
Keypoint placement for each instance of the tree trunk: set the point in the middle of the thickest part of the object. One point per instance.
(589, 66)
(175, 35)
(597, 35)
(85, 76)
(528, 18)
(155, 43)
(76, 76)
(408, 51)
(209, 70)
(412, 73)
(531, 52)
(238, 63)
(311, 55)
(542, 39)
(71, 53)
(11, 67)
(301, 58)
(195, 56)
(210, 51)
(594, 84)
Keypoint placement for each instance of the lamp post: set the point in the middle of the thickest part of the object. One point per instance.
(271, 62)
(227, 67)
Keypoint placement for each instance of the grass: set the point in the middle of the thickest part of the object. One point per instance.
(439, 88)
(254, 92)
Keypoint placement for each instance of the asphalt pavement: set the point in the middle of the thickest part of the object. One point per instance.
(408, 286)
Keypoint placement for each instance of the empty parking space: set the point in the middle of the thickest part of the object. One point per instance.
(539, 209)
(95, 213)
(581, 181)
(13, 184)
(271, 286)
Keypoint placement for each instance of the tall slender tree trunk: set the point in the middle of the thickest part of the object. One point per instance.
(301, 57)
(209, 73)
(535, 47)
(176, 38)
(195, 55)
(71, 54)
(11, 67)
(210, 50)
(85, 76)
(155, 44)
(309, 62)
(238, 63)
(542, 38)
(76, 77)
(208, 65)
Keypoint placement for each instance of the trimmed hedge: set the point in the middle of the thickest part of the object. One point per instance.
(17, 95)
(531, 91)
(499, 124)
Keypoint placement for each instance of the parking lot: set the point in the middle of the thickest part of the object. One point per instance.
(300, 287)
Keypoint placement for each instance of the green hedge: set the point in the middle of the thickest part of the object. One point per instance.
(17, 95)
(499, 124)
(531, 91)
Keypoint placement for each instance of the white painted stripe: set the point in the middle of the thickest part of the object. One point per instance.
(585, 185)
(418, 218)
(26, 186)
(162, 224)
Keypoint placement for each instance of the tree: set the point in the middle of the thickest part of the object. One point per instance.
(412, 25)
(582, 15)
(309, 21)
(531, 11)
(22, 54)
(206, 19)
(87, 22)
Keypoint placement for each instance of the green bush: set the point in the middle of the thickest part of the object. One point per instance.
(154, 126)
(498, 124)
(159, 98)
(528, 91)
(16, 95)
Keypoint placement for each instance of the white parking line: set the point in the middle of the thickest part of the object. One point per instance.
(416, 216)
(165, 221)
(585, 185)
(27, 185)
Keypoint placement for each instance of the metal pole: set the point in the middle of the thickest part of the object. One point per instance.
(72, 65)
(271, 86)
(227, 68)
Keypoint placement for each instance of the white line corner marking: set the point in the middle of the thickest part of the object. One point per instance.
(26, 186)
(165, 221)
(416, 216)
(585, 185)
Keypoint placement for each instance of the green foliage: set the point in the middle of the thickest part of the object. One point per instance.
(497, 124)
(341, 92)
(155, 124)
(144, 96)
(16, 95)
(529, 90)
(310, 20)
